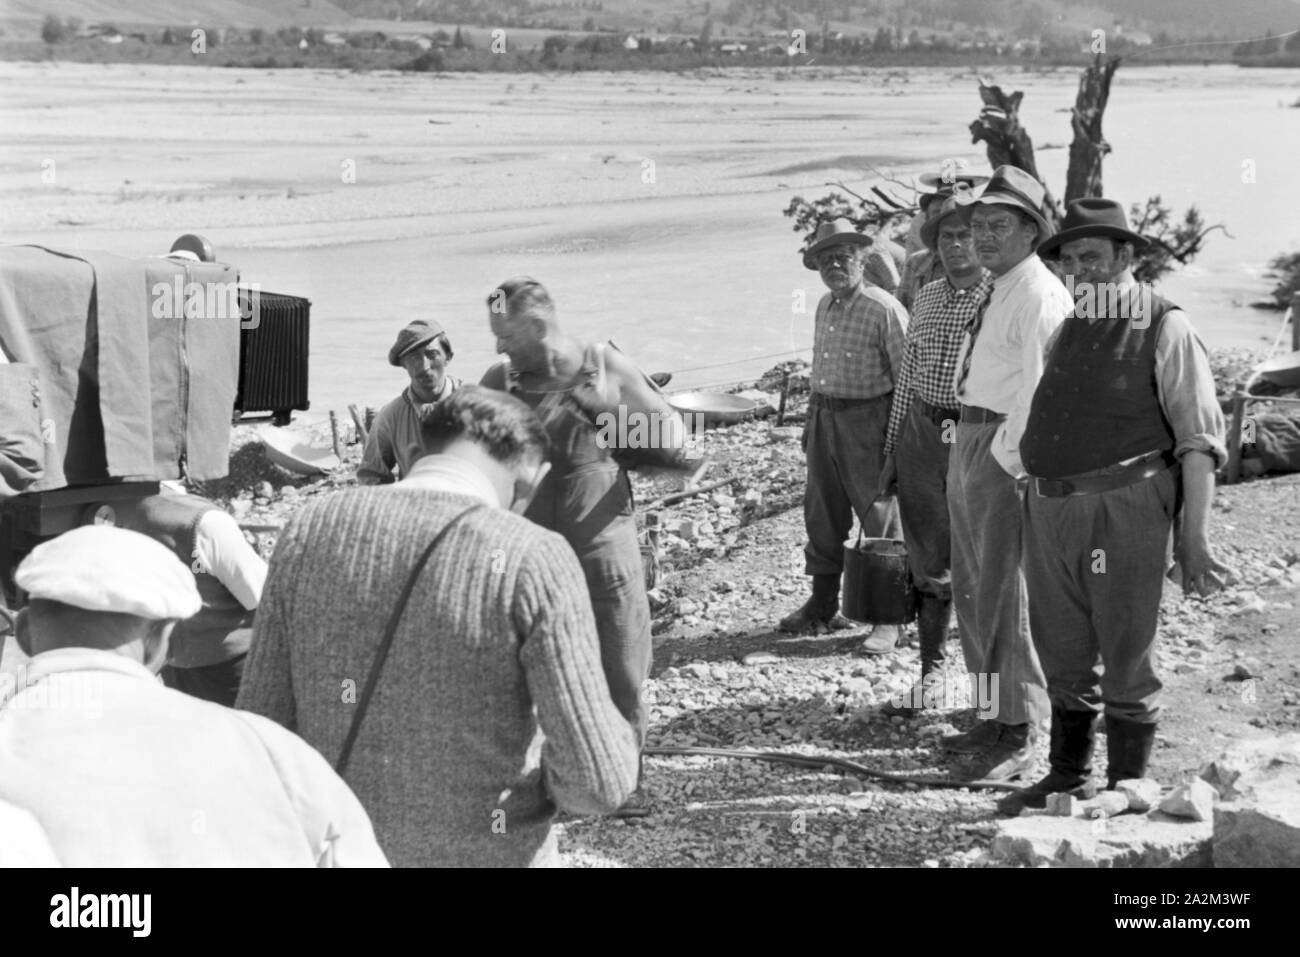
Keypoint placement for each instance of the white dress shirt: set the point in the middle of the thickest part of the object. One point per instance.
(1028, 302)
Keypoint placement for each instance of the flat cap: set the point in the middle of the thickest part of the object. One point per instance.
(102, 568)
(413, 336)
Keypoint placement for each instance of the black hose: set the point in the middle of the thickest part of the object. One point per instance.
(843, 764)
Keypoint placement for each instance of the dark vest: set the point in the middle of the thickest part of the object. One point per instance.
(1097, 403)
(223, 628)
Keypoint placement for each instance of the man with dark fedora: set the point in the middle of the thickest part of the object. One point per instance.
(858, 344)
(922, 424)
(423, 350)
(922, 266)
(1124, 427)
(997, 369)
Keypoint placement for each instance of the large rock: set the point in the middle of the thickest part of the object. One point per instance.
(1130, 840)
(1194, 801)
(1258, 822)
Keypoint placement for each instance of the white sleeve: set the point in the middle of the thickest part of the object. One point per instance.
(224, 553)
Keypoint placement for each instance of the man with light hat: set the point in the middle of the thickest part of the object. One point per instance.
(922, 266)
(423, 350)
(1123, 420)
(858, 341)
(922, 424)
(121, 771)
(998, 368)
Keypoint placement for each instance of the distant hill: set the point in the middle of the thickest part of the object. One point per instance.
(19, 15)
(1177, 19)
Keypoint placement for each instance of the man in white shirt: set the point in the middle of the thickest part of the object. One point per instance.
(998, 369)
(121, 771)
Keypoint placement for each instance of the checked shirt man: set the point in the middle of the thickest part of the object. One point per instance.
(922, 429)
(858, 346)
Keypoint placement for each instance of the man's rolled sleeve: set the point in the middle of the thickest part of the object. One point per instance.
(1186, 386)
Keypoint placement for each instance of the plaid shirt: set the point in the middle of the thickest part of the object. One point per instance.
(940, 316)
(858, 344)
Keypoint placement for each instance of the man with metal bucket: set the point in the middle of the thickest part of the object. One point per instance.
(922, 429)
(997, 369)
(858, 347)
(1123, 425)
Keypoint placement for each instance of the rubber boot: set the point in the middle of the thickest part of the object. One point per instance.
(1073, 735)
(818, 611)
(1128, 749)
(932, 631)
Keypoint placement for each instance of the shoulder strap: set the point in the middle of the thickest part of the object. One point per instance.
(381, 655)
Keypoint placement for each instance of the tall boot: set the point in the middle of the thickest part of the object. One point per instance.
(1128, 749)
(1070, 759)
(932, 630)
(821, 610)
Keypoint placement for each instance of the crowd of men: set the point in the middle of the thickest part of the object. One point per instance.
(438, 660)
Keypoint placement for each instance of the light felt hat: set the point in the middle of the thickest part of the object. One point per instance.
(1012, 186)
(837, 232)
(103, 568)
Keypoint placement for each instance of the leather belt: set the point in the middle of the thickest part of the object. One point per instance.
(973, 413)
(1093, 484)
(937, 413)
(817, 400)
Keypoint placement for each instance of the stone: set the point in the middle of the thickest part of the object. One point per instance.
(1193, 801)
(696, 670)
(1257, 822)
(1142, 793)
(759, 658)
(264, 490)
(1061, 804)
(1131, 840)
(1105, 804)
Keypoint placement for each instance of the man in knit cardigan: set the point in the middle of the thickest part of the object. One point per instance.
(492, 706)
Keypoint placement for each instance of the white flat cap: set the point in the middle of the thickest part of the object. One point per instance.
(102, 568)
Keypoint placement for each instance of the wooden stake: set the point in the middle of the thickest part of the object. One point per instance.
(334, 433)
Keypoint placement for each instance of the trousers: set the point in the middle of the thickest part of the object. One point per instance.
(988, 583)
(1094, 565)
(923, 452)
(845, 452)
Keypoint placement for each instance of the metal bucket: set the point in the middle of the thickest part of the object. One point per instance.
(877, 584)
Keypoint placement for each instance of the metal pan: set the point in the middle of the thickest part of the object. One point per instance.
(717, 408)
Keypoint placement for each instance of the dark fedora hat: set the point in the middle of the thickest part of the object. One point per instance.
(1012, 186)
(1092, 217)
(838, 232)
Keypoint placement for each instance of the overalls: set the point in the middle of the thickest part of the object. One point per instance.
(587, 498)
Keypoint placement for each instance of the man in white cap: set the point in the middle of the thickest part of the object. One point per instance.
(423, 350)
(121, 771)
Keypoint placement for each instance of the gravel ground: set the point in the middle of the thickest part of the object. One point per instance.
(731, 565)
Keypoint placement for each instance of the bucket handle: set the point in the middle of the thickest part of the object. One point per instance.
(889, 516)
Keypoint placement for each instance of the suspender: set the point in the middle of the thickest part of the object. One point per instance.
(381, 655)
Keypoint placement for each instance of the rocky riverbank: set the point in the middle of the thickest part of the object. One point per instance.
(731, 565)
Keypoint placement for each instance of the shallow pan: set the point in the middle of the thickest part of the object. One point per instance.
(717, 408)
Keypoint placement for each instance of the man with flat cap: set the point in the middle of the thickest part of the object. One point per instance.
(997, 369)
(1124, 428)
(858, 342)
(423, 350)
(121, 771)
(922, 423)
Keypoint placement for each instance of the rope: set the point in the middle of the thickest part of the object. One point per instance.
(852, 767)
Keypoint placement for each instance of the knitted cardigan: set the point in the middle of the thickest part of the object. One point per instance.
(492, 707)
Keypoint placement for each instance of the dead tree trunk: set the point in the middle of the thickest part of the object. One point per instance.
(998, 125)
(1089, 147)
